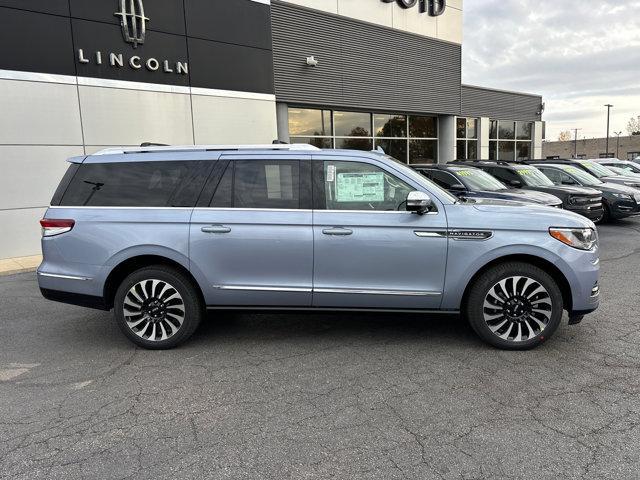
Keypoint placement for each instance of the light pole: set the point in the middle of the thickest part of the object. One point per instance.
(617, 134)
(609, 107)
(575, 143)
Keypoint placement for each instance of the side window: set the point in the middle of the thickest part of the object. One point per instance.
(444, 179)
(503, 175)
(567, 179)
(360, 186)
(554, 175)
(136, 184)
(266, 184)
(223, 196)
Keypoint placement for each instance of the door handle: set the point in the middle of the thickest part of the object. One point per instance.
(337, 231)
(215, 229)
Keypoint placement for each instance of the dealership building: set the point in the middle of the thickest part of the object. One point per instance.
(77, 76)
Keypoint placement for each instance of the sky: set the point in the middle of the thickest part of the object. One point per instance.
(578, 54)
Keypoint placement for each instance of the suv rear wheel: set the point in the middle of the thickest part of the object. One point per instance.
(157, 307)
(515, 306)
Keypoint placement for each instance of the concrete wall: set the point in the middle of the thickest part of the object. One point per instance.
(447, 26)
(49, 118)
(593, 147)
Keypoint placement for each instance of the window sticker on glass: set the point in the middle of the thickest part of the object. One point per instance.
(331, 173)
(360, 187)
(571, 170)
(524, 172)
(464, 173)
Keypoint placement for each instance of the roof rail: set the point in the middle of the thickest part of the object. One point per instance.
(204, 148)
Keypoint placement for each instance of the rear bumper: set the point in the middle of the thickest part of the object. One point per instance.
(79, 299)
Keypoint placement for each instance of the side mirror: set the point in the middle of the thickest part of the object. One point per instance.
(418, 202)
(515, 183)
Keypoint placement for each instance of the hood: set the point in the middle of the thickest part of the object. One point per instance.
(622, 179)
(517, 196)
(567, 189)
(513, 213)
(618, 188)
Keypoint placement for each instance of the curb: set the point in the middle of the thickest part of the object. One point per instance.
(11, 266)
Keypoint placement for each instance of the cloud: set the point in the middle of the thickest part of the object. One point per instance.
(578, 54)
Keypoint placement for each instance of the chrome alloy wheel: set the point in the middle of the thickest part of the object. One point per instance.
(154, 310)
(517, 309)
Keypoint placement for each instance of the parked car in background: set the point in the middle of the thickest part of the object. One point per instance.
(618, 201)
(626, 165)
(469, 182)
(583, 200)
(597, 170)
(159, 234)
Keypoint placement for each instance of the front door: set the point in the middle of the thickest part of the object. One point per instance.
(369, 251)
(253, 242)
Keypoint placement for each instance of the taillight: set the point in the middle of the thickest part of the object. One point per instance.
(51, 227)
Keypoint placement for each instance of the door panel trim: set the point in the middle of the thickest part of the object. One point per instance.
(411, 293)
(259, 288)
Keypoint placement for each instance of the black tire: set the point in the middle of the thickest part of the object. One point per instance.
(164, 292)
(539, 324)
(606, 216)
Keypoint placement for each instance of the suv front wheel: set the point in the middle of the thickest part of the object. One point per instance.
(157, 307)
(515, 306)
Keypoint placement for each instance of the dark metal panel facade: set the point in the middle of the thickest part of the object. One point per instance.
(500, 105)
(361, 65)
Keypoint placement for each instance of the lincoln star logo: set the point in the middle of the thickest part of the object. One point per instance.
(133, 21)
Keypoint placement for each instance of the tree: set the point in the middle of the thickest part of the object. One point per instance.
(564, 136)
(633, 127)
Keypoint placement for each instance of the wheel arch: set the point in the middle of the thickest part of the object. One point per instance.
(543, 264)
(131, 264)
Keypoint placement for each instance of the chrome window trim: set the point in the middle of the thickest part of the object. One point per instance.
(66, 277)
(430, 234)
(118, 208)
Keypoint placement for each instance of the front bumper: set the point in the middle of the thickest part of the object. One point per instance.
(591, 212)
(624, 208)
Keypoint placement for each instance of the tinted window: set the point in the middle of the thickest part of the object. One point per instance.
(139, 184)
(478, 180)
(64, 183)
(223, 196)
(360, 186)
(504, 175)
(444, 179)
(266, 184)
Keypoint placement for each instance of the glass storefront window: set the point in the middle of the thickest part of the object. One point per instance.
(309, 122)
(423, 151)
(506, 151)
(493, 129)
(461, 127)
(352, 124)
(493, 150)
(524, 150)
(355, 143)
(467, 134)
(507, 130)
(394, 148)
(524, 130)
(390, 125)
(320, 142)
(423, 127)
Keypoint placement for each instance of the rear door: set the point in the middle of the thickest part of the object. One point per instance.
(252, 239)
(369, 251)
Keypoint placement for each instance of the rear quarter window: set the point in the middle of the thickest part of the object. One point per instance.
(137, 184)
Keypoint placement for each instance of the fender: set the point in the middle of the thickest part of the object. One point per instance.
(458, 278)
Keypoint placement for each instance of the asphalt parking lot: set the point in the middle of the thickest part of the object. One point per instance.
(322, 396)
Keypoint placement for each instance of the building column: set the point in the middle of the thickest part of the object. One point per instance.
(282, 122)
(484, 125)
(537, 140)
(446, 138)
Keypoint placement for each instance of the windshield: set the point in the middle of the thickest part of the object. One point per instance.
(476, 179)
(410, 172)
(532, 177)
(583, 177)
(598, 170)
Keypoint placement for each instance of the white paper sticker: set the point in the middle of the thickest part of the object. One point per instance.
(331, 173)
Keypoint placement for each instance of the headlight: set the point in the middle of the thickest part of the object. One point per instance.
(580, 238)
(577, 200)
(623, 196)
